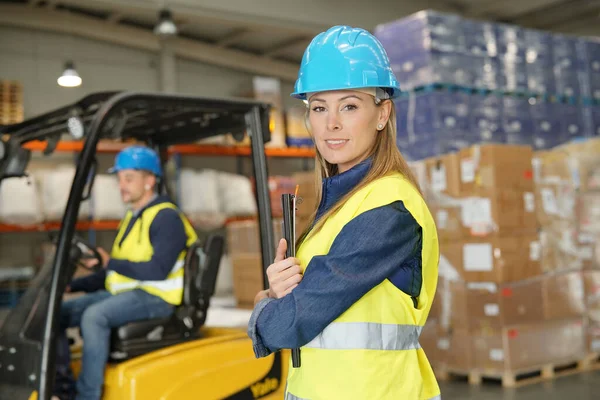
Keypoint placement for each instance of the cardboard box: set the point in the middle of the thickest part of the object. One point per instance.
(460, 352)
(563, 295)
(564, 248)
(247, 278)
(498, 212)
(243, 237)
(591, 284)
(593, 337)
(588, 213)
(529, 346)
(573, 164)
(443, 174)
(448, 222)
(494, 259)
(556, 204)
(492, 306)
(495, 166)
(279, 185)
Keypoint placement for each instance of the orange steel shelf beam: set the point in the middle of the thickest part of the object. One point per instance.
(54, 226)
(106, 146)
(106, 225)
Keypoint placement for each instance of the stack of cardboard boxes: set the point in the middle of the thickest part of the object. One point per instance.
(243, 237)
(568, 193)
(500, 306)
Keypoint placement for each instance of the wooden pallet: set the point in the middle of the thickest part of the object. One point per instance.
(518, 378)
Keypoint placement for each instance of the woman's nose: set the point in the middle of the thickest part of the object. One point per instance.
(333, 122)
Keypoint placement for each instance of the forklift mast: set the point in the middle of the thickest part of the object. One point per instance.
(27, 337)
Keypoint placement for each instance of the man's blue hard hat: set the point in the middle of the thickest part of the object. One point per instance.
(139, 158)
(345, 58)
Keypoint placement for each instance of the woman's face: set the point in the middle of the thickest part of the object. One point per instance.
(344, 125)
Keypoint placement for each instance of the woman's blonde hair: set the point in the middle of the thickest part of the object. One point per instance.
(386, 159)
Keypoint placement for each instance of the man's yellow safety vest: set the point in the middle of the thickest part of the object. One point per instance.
(372, 350)
(137, 248)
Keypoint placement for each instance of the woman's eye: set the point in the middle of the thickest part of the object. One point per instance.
(350, 107)
(318, 109)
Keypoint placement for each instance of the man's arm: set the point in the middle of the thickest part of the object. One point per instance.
(383, 243)
(168, 238)
(89, 283)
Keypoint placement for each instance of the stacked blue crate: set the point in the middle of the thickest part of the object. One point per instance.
(432, 123)
(570, 67)
(540, 62)
(590, 47)
(547, 127)
(511, 58)
(432, 49)
(486, 119)
(517, 121)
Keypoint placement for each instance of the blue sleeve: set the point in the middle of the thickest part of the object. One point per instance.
(168, 238)
(383, 243)
(89, 283)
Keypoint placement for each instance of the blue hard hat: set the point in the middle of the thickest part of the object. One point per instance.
(345, 58)
(137, 157)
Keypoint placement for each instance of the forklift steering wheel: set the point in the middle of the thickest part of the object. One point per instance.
(84, 251)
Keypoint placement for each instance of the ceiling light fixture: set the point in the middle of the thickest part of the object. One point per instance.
(69, 77)
(165, 26)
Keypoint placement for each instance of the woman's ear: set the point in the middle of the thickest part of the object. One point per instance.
(385, 109)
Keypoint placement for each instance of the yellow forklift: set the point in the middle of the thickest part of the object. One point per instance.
(176, 358)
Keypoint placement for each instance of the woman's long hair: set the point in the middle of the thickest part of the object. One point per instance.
(386, 159)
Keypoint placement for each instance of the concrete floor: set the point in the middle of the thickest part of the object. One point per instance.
(575, 387)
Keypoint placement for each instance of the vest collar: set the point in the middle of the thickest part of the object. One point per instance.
(337, 186)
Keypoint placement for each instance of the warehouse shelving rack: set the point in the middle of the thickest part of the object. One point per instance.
(108, 147)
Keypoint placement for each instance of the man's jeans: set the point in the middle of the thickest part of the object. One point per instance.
(96, 314)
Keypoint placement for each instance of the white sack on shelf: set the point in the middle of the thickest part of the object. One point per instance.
(20, 201)
(237, 195)
(199, 198)
(55, 186)
(107, 203)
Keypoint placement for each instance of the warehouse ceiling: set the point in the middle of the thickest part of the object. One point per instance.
(269, 36)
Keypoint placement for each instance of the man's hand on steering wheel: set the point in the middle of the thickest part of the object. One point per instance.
(90, 263)
(88, 256)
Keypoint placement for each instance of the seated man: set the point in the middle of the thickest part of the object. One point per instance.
(142, 278)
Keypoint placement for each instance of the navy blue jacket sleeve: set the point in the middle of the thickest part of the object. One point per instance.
(89, 283)
(383, 243)
(168, 238)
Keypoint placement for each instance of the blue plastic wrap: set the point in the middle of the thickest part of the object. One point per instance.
(512, 73)
(547, 125)
(486, 120)
(517, 122)
(510, 39)
(424, 68)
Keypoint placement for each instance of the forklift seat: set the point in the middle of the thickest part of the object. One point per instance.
(200, 275)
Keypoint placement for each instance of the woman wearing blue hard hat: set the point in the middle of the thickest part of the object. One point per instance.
(357, 295)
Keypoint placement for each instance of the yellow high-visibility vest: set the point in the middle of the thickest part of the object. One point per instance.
(137, 248)
(372, 350)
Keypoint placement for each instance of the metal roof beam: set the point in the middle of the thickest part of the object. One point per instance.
(96, 29)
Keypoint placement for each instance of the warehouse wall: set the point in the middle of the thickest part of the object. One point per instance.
(37, 59)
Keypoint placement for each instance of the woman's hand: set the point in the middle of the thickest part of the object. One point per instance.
(284, 274)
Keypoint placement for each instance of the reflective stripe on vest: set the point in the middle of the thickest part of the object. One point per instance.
(367, 336)
(165, 285)
(289, 396)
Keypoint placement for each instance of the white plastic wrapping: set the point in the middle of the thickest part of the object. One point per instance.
(55, 186)
(200, 198)
(20, 201)
(236, 195)
(107, 203)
